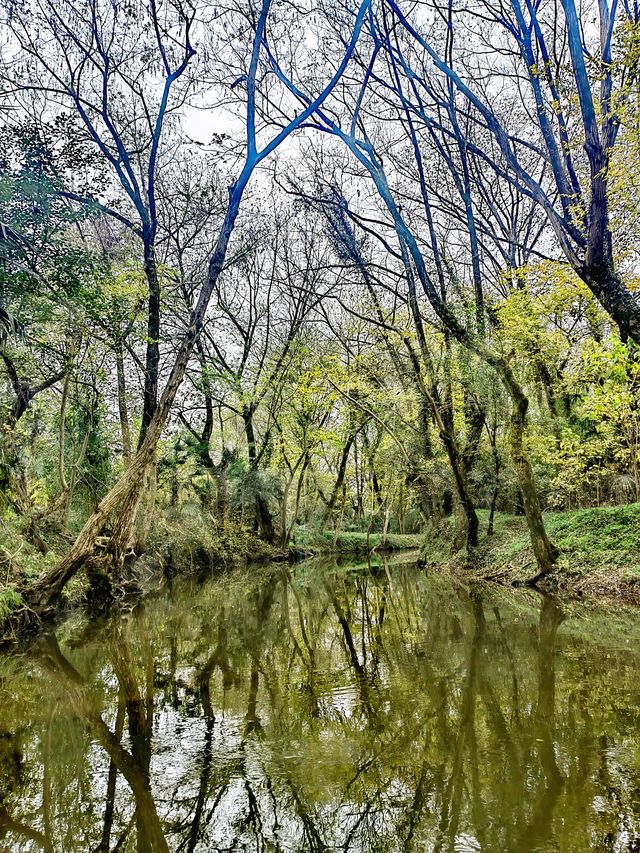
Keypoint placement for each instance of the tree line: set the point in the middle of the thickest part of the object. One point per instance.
(296, 268)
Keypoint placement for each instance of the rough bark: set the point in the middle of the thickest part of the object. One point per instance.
(152, 363)
(544, 550)
(125, 431)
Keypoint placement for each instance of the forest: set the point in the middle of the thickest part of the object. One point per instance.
(319, 426)
(284, 276)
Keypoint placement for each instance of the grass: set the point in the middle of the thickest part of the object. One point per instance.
(356, 542)
(600, 551)
(10, 600)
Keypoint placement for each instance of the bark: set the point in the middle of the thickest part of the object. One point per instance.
(262, 515)
(222, 496)
(284, 505)
(443, 416)
(544, 550)
(296, 503)
(442, 410)
(152, 363)
(264, 519)
(462, 488)
(342, 469)
(147, 509)
(496, 487)
(619, 303)
(125, 431)
(285, 527)
(121, 541)
(474, 417)
(24, 391)
(252, 453)
(546, 553)
(598, 269)
(370, 453)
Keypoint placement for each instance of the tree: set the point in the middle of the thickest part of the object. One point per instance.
(548, 168)
(124, 496)
(94, 58)
(362, 147)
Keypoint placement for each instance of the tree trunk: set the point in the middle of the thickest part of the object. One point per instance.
(125, 431)
(608, 288)
(263, 522)
(283, 512)
(442, 412)
(296, 504)
(147, 509)
(342, 469)
(544, 550)
(496, 487)
(153, 338)
(462, 488)
(46, 589)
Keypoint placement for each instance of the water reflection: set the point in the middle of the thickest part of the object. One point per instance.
(326, 709)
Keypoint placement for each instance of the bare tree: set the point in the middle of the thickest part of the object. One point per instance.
(122, 71)
(124, 496)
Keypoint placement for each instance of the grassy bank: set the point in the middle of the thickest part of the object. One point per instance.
(362, 543)
(600, 552)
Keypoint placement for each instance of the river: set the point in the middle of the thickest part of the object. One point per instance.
(326, 707)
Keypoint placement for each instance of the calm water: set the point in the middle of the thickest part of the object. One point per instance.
(327, 709)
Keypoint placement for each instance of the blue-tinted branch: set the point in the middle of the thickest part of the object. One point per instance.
(315, 104)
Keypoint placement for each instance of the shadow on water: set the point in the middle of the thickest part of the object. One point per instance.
(326, 707)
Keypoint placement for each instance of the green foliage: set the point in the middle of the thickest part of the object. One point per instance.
(190, 540)
(97, 465)
(249, 483)
(31, 205)
(10, 600)
(600, 551)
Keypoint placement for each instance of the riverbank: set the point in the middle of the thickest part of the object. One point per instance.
(176, 547)
(353, 542)
(599, 559)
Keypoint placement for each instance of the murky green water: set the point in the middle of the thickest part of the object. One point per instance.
(327, 710)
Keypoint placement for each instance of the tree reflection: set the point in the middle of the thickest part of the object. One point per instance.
(375, 710)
